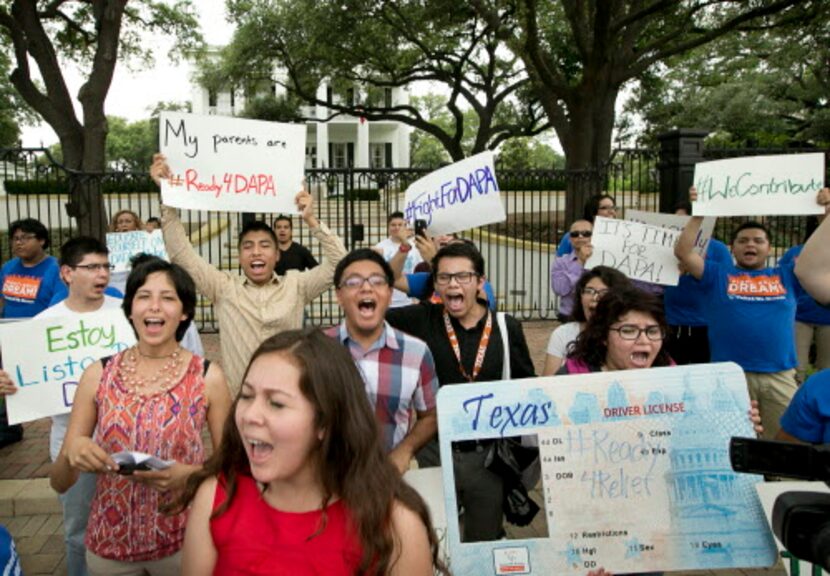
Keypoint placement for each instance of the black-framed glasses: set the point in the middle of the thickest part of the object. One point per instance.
(355, 282)
(94, 267)
(582, 233)
(444, 278)
(21, 238)
(632, 332)
(594, 292)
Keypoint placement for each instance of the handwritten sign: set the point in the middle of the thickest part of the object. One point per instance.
(675, 222)
(45, 358)
(233, 164)
(125, 245)
(635, 471)
(640, 251)
(785, 184)
(457, 197)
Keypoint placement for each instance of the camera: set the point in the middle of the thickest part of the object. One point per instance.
(800, 520)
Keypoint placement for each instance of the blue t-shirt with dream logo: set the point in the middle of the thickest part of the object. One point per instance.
(27, 290)
(751, 316)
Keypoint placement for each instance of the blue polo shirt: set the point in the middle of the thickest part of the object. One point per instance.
(807, 310)
(685, 303)
(808, 415)
(27, 290)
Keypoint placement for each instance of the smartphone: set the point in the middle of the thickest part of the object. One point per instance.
(773, 458)
(421, 228)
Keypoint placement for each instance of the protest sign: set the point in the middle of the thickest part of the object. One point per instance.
(785, 184)
(675, 222)
(125, 245)
(635, 470)
(45, 358)
(457, 197)
(640, 251)
(233, 164)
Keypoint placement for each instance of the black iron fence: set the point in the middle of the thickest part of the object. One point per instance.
(355, 204)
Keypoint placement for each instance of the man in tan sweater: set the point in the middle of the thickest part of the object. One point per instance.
(259, 303)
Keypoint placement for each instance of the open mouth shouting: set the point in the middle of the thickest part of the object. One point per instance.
(366, 307)
(454, 302)
(154, 326)
(640, 359)
(258, 450)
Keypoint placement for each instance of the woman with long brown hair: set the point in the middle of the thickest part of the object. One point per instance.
(300, 483)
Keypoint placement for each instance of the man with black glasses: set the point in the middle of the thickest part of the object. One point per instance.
(397, 369)
(468, 342)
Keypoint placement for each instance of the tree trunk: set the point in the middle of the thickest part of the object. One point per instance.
(587, 145)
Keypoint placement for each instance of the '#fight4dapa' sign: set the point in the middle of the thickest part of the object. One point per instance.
(629, 470)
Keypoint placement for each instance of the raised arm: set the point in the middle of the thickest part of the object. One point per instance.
(684, 250)
(317, 280)
(813, 265)
(209, 280)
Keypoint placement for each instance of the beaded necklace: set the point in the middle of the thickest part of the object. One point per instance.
(166, 376)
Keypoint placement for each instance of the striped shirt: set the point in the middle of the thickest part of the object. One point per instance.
(399, 375)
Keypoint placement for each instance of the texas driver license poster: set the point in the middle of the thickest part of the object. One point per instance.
(632, 471)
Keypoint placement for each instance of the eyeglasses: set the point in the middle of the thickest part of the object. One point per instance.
(578, 233)
(21, 238)
(632, 332)
(594, 293)
(356, 282)
(94, 267)
(611, 207)
(443, 278)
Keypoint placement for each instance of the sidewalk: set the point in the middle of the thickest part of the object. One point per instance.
(32, 513)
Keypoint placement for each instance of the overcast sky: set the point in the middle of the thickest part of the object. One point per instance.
(133, 94)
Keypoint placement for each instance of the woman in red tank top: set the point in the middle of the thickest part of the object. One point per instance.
(300, 484)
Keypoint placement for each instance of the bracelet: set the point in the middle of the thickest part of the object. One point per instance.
(404, 247)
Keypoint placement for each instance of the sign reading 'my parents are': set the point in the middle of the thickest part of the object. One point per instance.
(223, 163)
(640, 251)
(635, 471)
(45, 358)
(785, 184)
(125, 245)
(457, 197)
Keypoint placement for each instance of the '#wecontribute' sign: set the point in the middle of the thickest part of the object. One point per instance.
(222, 163)
(635, 472)
(640, 251)
(45, 358)
(457, 197)
(125, 245)
(785, 184)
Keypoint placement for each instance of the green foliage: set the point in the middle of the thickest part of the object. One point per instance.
(272, 108)
(529, 153)
(761, 88)
(61, 186)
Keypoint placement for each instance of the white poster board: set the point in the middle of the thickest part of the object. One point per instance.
(635, 472)
(233, 164)
(45, 358)
(640, 251)
(675, 222)
(125, 245)
(784, 184)
(457, 197)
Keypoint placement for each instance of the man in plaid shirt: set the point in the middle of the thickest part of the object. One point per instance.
(398, 369)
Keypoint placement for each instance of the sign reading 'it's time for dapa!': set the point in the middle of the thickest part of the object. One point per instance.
(45, 358)
(632, 473)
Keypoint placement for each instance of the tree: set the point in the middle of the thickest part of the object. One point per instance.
(92, 34)
(751, 89)
(529, 154)
(579, 53)
(13, 111)
(363, 47)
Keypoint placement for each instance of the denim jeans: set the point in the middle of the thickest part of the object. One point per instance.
(76, 503)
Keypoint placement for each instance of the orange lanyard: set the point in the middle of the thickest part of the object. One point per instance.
(482, 345)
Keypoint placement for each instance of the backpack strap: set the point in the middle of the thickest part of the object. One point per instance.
(505, 341)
